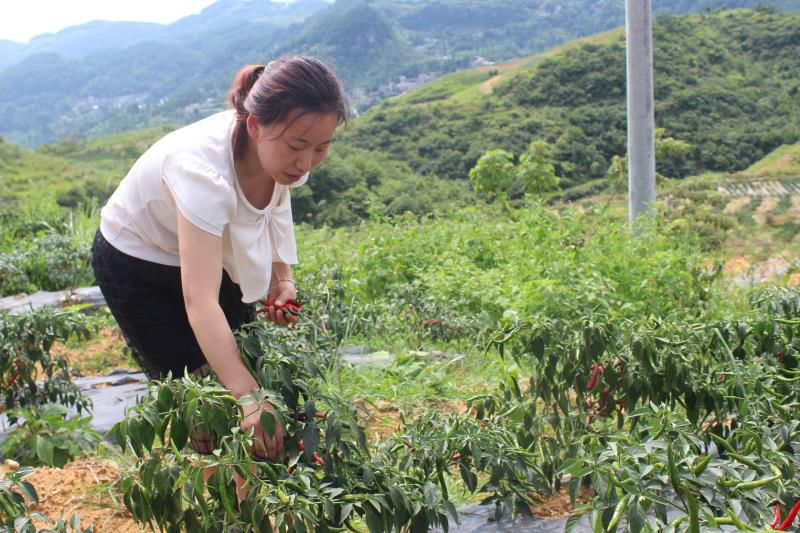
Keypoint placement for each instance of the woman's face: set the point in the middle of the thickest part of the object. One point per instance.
(289, 149)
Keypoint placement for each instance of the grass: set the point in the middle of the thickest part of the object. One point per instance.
(783, 162)
(416, 377)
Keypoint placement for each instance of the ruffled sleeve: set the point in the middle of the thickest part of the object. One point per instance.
(205, 197)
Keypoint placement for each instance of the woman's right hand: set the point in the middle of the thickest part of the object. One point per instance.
(264, 446)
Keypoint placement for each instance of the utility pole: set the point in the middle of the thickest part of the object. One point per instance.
(641, 116)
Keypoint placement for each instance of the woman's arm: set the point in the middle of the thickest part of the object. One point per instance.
(201, 276)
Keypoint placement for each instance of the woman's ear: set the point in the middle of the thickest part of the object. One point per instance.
(253, 126)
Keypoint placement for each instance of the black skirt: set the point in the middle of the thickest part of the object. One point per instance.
(146, 300)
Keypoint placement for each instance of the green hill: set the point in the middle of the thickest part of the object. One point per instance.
(725, 82)
(73, 170)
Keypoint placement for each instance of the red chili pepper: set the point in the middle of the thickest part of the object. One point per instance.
(456, 456)
(302, 416)
(15, 375)
(790, 517)
(620, 405)
(774, 523)
(291, 304)
(778, 355)
(596, 369)
(320, 461)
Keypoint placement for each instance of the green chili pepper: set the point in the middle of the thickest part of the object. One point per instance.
(746, 485)
(737, 522)
(746, 461)
(673, 472)
(618, 512)
(694, 513)
(284, 499)
(701, 465)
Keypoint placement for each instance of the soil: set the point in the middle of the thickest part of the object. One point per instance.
(559, 505)
(763, 213)
(82, 487)
(384, 418)
(736, 204)
(105, 350)
(737, 265)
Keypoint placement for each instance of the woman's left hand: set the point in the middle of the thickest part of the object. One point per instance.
(281, 292)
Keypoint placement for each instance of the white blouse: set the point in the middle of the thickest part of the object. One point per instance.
(192, 169)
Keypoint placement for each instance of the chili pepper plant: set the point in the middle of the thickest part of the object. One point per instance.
(29, 373)
(576, 386)
(328, 477)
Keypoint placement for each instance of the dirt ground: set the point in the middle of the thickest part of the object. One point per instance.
(98, 355)
(559, 505)
(82, 487)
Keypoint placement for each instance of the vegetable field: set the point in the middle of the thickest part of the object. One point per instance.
(573, 357)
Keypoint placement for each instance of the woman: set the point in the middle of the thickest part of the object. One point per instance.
(201, 227)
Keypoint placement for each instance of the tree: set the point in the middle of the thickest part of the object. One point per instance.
(496, 176)
(671, 158)
(492, 175)
(535, 172)
(671, 155)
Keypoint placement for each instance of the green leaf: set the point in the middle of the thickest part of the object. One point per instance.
(401, 513)
(178, 433)
(637, 518)
(310, 440)
(309, 409)
(431, 494)
(28, 491)
(346, 510)
(572, 523)
(164, 398)
(268, 422)
(374, 521)
(452, 510)
(469, 478)
(44, 450)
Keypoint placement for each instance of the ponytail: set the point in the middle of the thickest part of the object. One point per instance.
(242, 84)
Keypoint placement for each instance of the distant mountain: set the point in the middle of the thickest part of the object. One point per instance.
(231, 13)
(180, 72)
(101, 36)
(725, 84)
(360, 41)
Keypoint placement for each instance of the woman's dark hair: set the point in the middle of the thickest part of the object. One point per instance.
(270, 92)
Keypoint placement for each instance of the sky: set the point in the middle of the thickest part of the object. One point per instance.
(22, 19)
